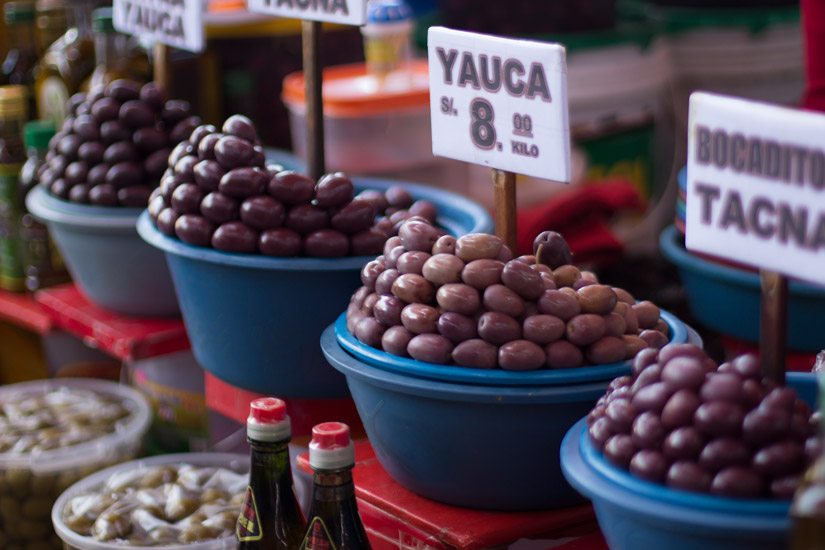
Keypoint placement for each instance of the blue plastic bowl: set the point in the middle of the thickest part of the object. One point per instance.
(727, 299)
(633, 513)
(493, 377)
(107, 259)
(254, 321)
(474, 446)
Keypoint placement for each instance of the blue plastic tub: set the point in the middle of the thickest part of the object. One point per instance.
(254, 321)
(633, 513)
(679, 333)
(727, 298)
(486, 447)
(109, 262)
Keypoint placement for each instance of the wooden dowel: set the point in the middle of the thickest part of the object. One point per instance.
(311, 37)
(504, 184)
(773, 325)
(160, 70)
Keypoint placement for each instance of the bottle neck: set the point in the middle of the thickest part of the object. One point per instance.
(11, 139)
(80, 17)
(333, 485)
(110, 49)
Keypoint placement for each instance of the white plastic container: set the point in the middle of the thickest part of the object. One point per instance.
(32, 481)
(368, 127)
(236, 462)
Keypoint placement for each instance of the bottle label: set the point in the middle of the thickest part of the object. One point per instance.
(249, 524)
(317, 537)
(11, 264)
(51, 101)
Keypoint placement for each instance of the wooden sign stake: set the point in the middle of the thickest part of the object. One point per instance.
(504, 185)
(773, 325)
(311, 37)
(160, 70)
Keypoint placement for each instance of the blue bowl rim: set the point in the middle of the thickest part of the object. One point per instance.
(679, 255)
(50, 209)
(147, 230)
(491, 377)
(353, 367)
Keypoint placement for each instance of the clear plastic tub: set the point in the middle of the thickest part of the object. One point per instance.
(30, 482)
(73, 541)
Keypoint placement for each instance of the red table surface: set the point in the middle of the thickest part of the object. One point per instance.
(452, 526)
(22, 310)
(127, 338)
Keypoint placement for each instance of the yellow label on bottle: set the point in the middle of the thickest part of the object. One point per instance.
(51, 100)
(317, 537)
(249, 523)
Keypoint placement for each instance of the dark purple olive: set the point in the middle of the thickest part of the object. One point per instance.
(430, 348)
(240, 126)
(649, 464)
(104, 194)
(352, 218)
(186, 199)
(291, 187)
(398, 197)
(219, 208)
(68, 146)
(184, 169)
(280, 242)
(475, 353)
(243, 182)
(306, 218)
(156, 163)
(122, 151)
(619, 449)
(60, 188)
(166, 221)
(112, 131)
(262, 212)
(134, 195)
(718, 418)
(208, 174)
(206, 146)
(105, 109)
(76, 172)
(124, 174)
(562, 354)
(335, 189)
(326, 243)
(236, 237)
(688, 476)
(194, 229)
(523, 280)
(152, 95)
(551, 249)
(395, 340)
(86, 127)
(136, 114)
(559, 304)
(498, 328)
(722, 452)
(149, 139)
(199, 133)
(80, 193)
(122, 90)
(367, 243)
(183, 129)
(91, 152)
(174, 111)
(233, 152)
(377, 198)
(737, 481)
(97, 174)
(521, 355)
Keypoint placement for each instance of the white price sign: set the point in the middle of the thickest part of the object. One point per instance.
(499, 102)
(344, 12)
(756, 185)
(178, 23)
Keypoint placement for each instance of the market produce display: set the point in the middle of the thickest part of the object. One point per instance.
(467, 301)
(682, 420)
(114, 144)
(219, 191)
(54, 433)
(163, 505)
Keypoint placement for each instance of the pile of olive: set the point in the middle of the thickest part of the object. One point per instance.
(681, 420)
(468, 302)
(35, 424)
(219, 191)
(113, 146)
(163, 505)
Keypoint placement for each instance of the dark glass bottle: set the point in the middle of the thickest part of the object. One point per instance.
(12, 157)
(333, 522)
(42, 264)
(21, 59)
(116, 56)
(271, 517)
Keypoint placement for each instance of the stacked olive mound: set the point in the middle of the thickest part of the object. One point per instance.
(468, 302)
(33, 424)
(681, 420)
(114, 144)
(164, 505)
(219, 191)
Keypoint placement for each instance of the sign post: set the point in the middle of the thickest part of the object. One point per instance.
(500, 103)
(756, 195)
(344, 12)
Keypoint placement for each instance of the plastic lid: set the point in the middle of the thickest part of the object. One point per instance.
(102, 20)
(349, 91)
(37, 133)
(388, 11)
(18, 12)
(331, 447)
(268, 420)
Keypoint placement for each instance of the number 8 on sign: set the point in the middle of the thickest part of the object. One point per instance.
(482, 131)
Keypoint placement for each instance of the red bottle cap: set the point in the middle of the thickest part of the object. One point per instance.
(268, 420)
(331, 447)
(267, 410)
(330, 435)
